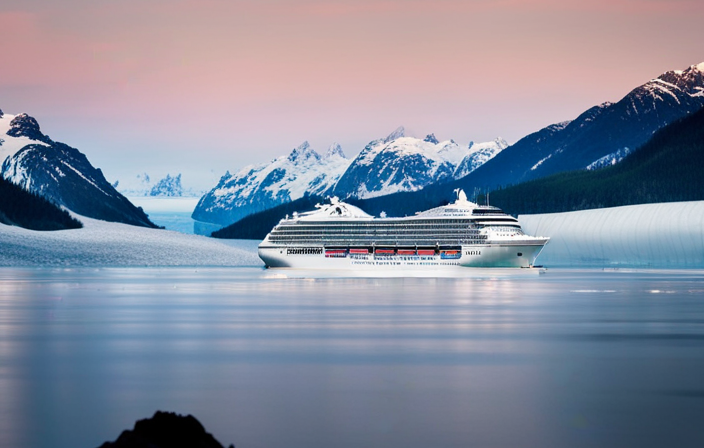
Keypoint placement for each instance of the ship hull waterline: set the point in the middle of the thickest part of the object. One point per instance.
(511, 256)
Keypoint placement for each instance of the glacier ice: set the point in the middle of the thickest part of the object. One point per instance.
(662, 235)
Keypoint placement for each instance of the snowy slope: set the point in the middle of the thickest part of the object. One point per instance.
(609, 159)
(102, 243)
(479, 154)
(259, 187)
(397, 163)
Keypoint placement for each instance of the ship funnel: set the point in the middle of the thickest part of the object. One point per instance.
(461, 196)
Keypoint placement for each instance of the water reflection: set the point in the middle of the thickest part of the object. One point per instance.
(571, 358)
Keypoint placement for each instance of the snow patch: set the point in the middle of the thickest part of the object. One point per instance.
(609, 159)
(540, 162)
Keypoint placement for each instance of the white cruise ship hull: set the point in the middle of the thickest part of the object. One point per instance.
(499, 255)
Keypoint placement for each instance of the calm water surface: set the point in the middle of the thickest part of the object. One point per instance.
(566, 359)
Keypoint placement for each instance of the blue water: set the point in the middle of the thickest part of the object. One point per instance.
(176, 220)
(566, 359)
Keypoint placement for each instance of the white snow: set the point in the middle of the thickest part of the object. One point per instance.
(102, 243)
(452, 152)
(664, 87)
(540, 162)
(664, 235)
(479, 154)
(609, 159)
(16, 172)
(563, 124)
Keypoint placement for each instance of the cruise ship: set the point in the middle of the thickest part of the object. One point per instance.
(341, 236)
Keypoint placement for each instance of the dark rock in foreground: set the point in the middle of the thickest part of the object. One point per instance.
(166, 430)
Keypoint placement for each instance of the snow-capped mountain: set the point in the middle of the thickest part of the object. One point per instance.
(598, 137)
(259, 187)
(60, 173)
(391, 164)
(400, 163)
(599, 132)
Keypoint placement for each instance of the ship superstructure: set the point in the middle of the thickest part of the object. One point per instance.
(341, 236)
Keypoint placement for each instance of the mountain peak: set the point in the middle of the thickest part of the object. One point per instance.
(25, 126)
(503, 144)
(398, 133)
(335, 150)
(690, 80)
(303, 153)
(430, 138)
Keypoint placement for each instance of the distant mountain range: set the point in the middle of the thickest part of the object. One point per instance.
(391, 164)
(667, 168)
(60, 173)
(401, 175)
(144, 185)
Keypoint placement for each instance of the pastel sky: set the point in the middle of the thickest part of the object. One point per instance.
(204, 86)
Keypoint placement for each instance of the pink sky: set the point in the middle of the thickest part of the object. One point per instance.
(195, 86)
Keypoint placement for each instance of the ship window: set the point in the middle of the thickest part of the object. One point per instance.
(520, 254)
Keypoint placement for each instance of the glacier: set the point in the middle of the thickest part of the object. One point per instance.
(108, 244)
(662, 235)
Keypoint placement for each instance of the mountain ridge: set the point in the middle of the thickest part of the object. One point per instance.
(395, 162)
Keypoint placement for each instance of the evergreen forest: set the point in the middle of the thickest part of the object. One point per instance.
(18, 207)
